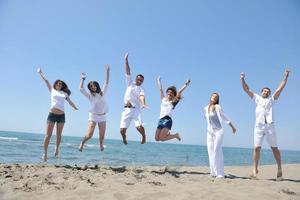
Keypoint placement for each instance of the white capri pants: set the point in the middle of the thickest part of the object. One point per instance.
(262, 130)
(215, 153)
(129, 114)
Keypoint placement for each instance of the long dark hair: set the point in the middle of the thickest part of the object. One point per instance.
(64, 87)
(89, 86)
(213, 105)
(176, 99)
(217, 96)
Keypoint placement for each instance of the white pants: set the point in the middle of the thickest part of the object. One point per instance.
(215, 153)
(129, 114)
(267, 130)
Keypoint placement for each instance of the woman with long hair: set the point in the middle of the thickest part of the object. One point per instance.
(98, 110)
(59, 93)
(214, 116)
(168, 104)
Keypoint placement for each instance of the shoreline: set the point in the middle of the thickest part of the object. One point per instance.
(43, 181)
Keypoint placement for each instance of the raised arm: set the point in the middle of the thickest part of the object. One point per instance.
(127, 68)
(39, 71)
(160, 87)
(71, 103)
(107, 67)
(245, 86)
(183, 88)
(281, 85)
(82, 78)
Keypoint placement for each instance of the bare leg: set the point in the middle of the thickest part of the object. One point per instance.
(277, 157)
(256, 156)
(123, 133)
(141, 130)
(89, 134)
(166, 135)
(47, 138)
(157, 134)
(59, 128)
(102, 127)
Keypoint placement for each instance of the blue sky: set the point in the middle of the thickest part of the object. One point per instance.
(210, 42)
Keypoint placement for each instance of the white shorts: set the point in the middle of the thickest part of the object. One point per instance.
(267, 130)
(129, 114)
(97, 118)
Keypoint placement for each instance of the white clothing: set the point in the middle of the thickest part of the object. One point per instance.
(267, 130)
(129, 114)
(215, 153)
(264, 109)
(133, 92)
(221, 116)
(214, 141)
(58, 99)
(98, 102)
(214, 120)
(166, 108)
(97, 118)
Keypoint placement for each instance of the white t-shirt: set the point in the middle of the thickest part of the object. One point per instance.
(264, 109)
(98, 102)
(133, 92)
(58, 99)
(166, 108)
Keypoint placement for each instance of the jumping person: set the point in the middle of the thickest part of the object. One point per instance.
(59, 93)
(168, 104)
(98, 110)
(134, 101)
(214, 116)
(264, 122)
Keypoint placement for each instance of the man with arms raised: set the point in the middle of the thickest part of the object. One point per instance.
(264, 122)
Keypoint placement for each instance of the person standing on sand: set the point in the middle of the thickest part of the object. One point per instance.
(134, 102)
(168, 104)
(59, 93)
(214, 116)
(264, 122)
(98, 110)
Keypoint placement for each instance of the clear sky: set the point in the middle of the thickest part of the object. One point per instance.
(210, 42)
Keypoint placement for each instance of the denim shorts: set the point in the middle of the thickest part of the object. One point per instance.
(165, 122)
(56, 118)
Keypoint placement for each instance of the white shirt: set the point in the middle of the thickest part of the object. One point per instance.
(166, 108)
(214, 120)
(133, 92)
(58, 99)
(98, 102)
(221, 116)
(264, 109)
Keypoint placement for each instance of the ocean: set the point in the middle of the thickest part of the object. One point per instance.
(27, 148)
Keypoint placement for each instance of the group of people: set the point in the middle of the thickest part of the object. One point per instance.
(134, 102)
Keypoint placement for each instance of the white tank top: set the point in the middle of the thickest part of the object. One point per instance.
(58, 99)
(166, 108)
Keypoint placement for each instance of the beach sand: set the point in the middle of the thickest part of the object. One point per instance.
(144, 183)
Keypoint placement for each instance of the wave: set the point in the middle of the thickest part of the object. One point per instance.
(8, 138)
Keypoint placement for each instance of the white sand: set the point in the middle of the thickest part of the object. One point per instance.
(145, 183)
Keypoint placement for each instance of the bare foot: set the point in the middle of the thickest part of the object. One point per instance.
(80, 146)
(178, 137)
(279, 176)
(143, 139)
(45, 157)
(254, 175)
(124, 138)
(101, 147)
(56, 152)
